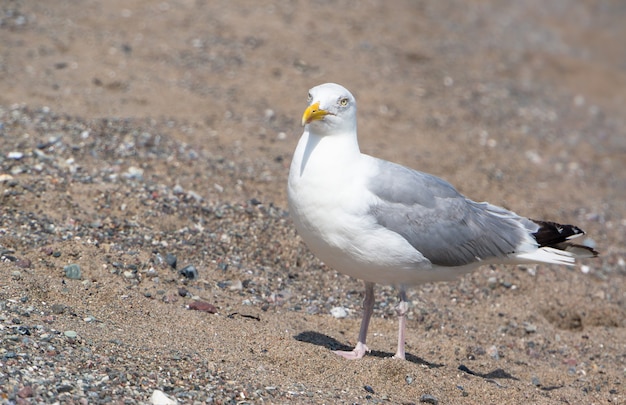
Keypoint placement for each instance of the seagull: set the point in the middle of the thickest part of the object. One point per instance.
(384, 223)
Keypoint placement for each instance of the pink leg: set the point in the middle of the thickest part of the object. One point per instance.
(368, 308)
(401, 310)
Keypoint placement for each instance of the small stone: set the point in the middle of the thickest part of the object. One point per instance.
(493, 352)
(129, 274)
(189, 272)
(64, 388)
(23, 330)
(529, 327)
(408, 379)
(72, 271)
(58, 309)
(16, 275)
(23, 263)
(202, 306)
(535, 381)
(339, 312)
(171, 259)
(15, 155)
(429, 399)
(70, 334)
(160, 398)
(368, 389)
(26, 392)
(133, 173)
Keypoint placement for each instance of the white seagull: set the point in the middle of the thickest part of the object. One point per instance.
(385, 223)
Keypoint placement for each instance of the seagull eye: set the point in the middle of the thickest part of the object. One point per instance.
(343, 102)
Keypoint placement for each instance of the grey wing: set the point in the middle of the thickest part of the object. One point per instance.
(443, 225)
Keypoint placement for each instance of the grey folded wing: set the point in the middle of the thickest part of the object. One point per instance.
(438, 221)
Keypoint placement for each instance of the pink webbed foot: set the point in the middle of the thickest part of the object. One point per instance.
(358, 352)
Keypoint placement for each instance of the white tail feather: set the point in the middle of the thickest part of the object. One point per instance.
(547, 255)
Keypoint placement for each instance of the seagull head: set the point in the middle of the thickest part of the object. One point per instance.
(332, 109)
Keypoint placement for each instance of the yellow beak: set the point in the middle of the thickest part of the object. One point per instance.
(313, 113)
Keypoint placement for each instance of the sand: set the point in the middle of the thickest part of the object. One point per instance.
(133, 133)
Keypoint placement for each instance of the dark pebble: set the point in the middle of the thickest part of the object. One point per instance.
(368, 389)
(56, 254)
(64, 388)
(10, 355)
(23, 330)
(58, 309)
(72, 271)
(189, 272)
(171, 260)
(429, 399)
(183, 292)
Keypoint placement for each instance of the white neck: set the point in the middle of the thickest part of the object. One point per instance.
(325, 152)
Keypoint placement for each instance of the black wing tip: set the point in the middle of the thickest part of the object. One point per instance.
(581, 251)
(553, 234)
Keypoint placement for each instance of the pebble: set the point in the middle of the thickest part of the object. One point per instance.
(339, 312)
(189, 272)
(493, 352)
(26, 392)
(429, 399)
(70, 334)
(368, 389)
(72, 271)
(15, 155)
(171, 260)
(23, 263)
(158, 397)
(529, 327)
(133, 173)
(202, 306)
(64, 388)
